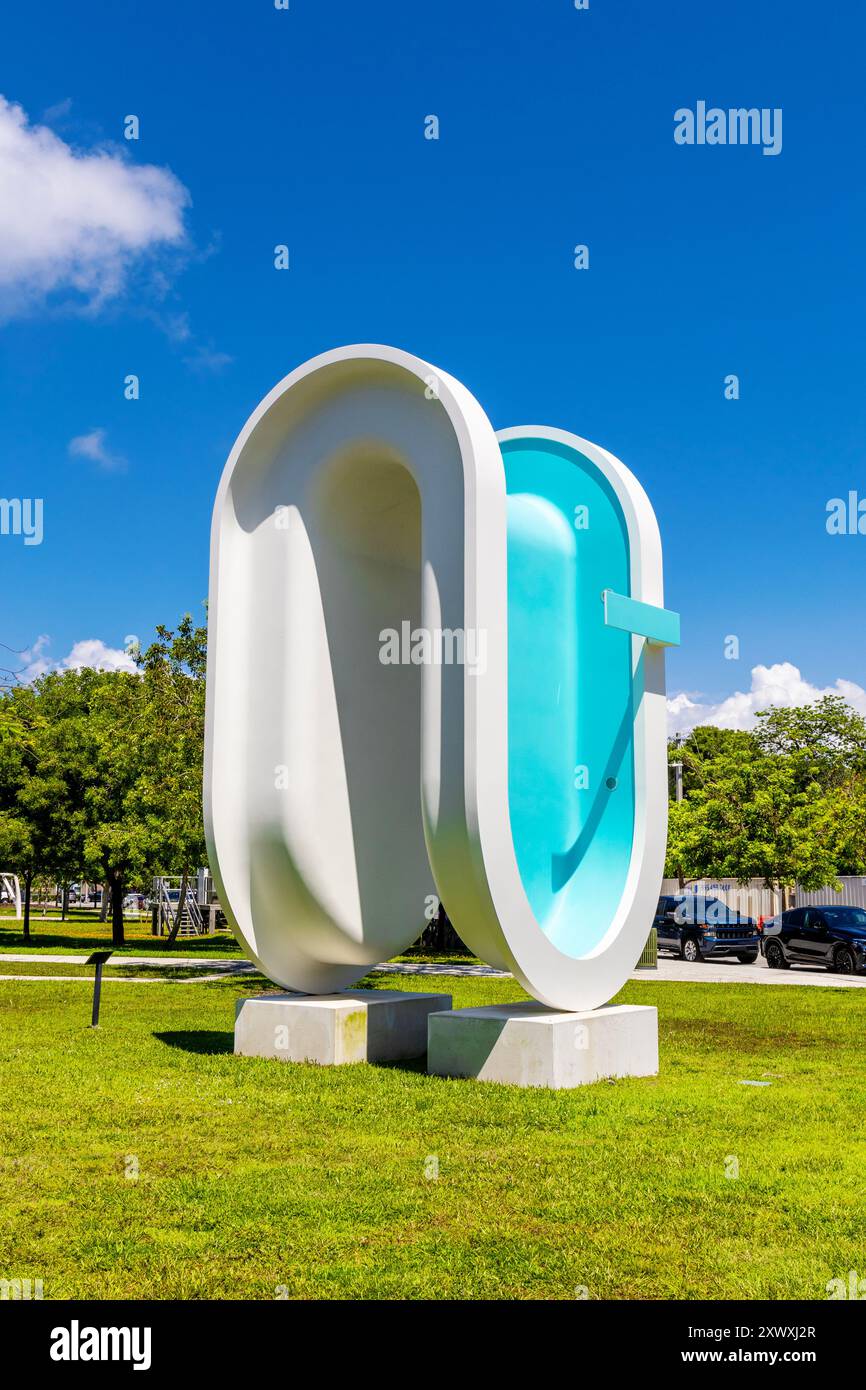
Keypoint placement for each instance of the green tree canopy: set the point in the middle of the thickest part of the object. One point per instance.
(785, 802)
(100, 772)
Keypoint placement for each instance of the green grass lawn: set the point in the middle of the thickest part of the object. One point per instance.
(57, 969)
(144, 1160)
(83, 932)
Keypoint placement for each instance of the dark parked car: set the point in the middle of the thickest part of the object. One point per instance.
(696, 928)
(833, 937)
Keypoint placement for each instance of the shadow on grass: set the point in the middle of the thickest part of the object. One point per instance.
(206, 1041)
(416, 1064)
(91, 935)
(137, 945)
(212, 1042)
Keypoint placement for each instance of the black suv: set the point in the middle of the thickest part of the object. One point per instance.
(833, 937)
(696, 927)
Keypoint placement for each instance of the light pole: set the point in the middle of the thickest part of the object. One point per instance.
(678, 773)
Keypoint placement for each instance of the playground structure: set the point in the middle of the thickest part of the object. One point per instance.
(166, 900)
(10, 891)
(200, 913)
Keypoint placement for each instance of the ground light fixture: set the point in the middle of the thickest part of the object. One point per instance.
(98, 959)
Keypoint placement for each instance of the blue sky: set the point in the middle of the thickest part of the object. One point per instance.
(306, 127)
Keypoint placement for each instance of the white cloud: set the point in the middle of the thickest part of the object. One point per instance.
(91, 651)
(35, 661)
(74, 225)
(781, 684)
(92, 446)
(58, 112)
(208, 359)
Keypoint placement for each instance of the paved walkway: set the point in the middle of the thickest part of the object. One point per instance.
(217, 969)
(228, 967)
(115, 979)
(669, 969)
(702, 972)
(716, 972)
(731, 972)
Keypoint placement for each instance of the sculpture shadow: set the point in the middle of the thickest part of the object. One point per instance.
(645, 680)
(475, 1048)
(205, 1041)
(413, 1064)
(213, 1042)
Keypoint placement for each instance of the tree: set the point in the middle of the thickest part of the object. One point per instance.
(174, 700)
(43, 773)
(17, 856)
(828, 736)
(101, 771)
(20, 828)
(841, 821)
(772, 803)
(51, 797)
(121, 835)
(702, 746)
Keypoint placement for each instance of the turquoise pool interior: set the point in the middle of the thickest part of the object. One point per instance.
(570, 699)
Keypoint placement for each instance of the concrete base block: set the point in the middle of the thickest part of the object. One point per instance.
(357, 1025)
(529, 1045)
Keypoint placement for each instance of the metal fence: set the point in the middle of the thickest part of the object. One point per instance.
(853, 894)
(755, 900)
(649, 956)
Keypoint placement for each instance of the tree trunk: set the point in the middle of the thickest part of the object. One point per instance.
(106, 900)
(64, 906)
(28, 881)
(178, 916)
(117, 937)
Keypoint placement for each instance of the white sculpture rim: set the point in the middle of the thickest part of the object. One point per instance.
(586, 982)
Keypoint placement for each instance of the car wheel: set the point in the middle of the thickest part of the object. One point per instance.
(844, 962)
(691, 949)
(775, 956)
(747, 957)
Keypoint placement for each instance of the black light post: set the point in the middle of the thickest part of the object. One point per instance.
(98, 959)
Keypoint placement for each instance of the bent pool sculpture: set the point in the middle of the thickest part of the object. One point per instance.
(436, 666)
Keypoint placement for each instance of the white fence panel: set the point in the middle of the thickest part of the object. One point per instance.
(755, 900)
(853, 894)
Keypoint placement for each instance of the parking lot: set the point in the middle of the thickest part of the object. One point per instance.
(730, 972)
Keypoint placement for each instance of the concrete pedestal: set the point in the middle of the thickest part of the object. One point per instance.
(529, 1045)
(357, 1025)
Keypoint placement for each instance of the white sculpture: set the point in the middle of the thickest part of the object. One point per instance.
(368, 495)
